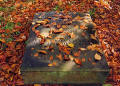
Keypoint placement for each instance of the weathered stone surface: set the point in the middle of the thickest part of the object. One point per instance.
(36, 67)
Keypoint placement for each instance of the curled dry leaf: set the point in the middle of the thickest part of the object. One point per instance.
(71, 45)
(89, 59)
(93, 37)
(64, 49)
(51, 58)
(42, 41)
(52, 64)
(76, 54)
(71, 57)
(97, 57)
(95, 47)
(83, 59)
(36, 54)
(83, 27)
(32, 48)
(66, 58)
(82, 49)
(72, 35)
(59, 57)
(56, 31)
(64, 26)
(78, 61)
(76, 26)
(41, 22)
(42, 51)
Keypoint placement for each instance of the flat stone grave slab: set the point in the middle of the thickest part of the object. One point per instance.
(63, 49)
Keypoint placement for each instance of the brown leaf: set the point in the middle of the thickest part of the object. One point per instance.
(66, 58)
(42, 51)
(83, 59)
(89, 59)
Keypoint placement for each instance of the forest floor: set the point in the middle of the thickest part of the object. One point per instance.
(16, 19)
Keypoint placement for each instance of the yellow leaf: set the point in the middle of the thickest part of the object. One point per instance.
(97, 57)
(71, 45)
(60, 2)
(76, 26)
(71, 57)
(50, 65)
(93, 37)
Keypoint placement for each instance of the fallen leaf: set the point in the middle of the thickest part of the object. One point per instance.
(50, 64)
(89, 59)
(51, 58)
(58, 25)
(83, 34)
(93, 63)
(93, 37)
(78, 61)
(42, 41)
(83, 59)
(71, 45)
(42, 51)
(76, 26)
(57, 31)
(36, 54)
(32, 48)
(59, 57)
(66, 58)
(71, 57)
(83, 27)
(72, 35)
(41, 22)
(97, 57)
(82, 49)
(76, 54)
(64, 26)
(95, 47)
(54, 63)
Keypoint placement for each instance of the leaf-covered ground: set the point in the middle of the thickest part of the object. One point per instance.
(16, 18)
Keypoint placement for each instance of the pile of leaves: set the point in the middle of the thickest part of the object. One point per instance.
(16, 18)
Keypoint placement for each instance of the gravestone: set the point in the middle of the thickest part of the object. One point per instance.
(60, 50)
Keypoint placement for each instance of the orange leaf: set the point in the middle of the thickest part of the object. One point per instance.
(32, 48)
(83, 27)
(72, 35)
(77, 54)
(42, 51)
(51, 58)
(64, 26)
(58, 25)
(83, 59)
(57, 31)
(76, 26)
(36, 55)
(59, 57)
(78, 61)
